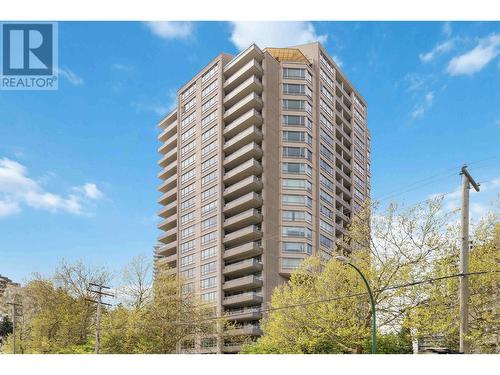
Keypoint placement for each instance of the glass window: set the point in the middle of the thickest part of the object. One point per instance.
(187, 274)
(325, 196)
(294, 88)
(188, 106)
(188, 217)
(209, 133)
(297, 232)
(326, 182)
(188, 119)
(188, 176)
(212, 176)
(296, 136)
(209, 103)
(288, 215)
(210, 88)
(188, 162)
(187, 260)
(289, 183)
(209, 163)
(325, 211)
(294, 104)
(296, 247)
(208, 253)
(296, 200)
(325, 166)
(187, 190)
(209, 74)
(326, 241)
(297, 168)
(325, 226)
(208, 119)
(189, 231)
(209, 223)
(188, 91)
(297, 152)
(189, 133)
(209, 237)
(208, 282)
(209, 207)
(208, 267)
(187, 148)
(208, 193)
(208, 297)
(294, 73)
(290, 263)
(187, 246)
(208, 148)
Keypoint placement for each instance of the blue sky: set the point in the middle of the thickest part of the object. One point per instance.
(78, 165)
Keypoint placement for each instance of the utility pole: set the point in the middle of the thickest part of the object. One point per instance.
(14, 316)
(467, 180)
(97, 289)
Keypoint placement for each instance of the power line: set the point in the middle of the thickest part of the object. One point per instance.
(97, 289)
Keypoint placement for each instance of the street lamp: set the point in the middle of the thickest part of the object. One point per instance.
(346, 260)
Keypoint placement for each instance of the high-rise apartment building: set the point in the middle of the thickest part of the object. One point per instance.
(264, 160)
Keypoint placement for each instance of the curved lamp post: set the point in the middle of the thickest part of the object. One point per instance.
(372, 301)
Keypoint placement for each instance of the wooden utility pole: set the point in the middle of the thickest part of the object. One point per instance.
(97, 289)
(14, 321)
(467, 180)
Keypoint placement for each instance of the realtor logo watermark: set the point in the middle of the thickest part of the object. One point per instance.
(28, 56)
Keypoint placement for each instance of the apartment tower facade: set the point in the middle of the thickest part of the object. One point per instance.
(264, 161)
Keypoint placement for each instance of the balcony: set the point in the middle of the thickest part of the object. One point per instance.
(242, 283)
(252, 117)
(168, 158)
(248, 298)
(246, 218)
(243, 267)
(242, 314)
(251, 53)
(248, 168)
(248, 86)
(169, 196)
(169, 131)
(343, 216)
(247, 330)
(168, 171)
(247, 250)
(168, 210)
(168, 223)
(168, 249)
(168, 236)
(251, 183)
(251, 134)
(251, 68)
(168, 145)
(247, 201)
(247, 234)
(168, 184)
(251, 150)
(250, 101)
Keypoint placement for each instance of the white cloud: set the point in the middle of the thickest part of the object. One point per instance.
(122, 67)
(437, 50)
(420, 109)
(171, 29)
(446, 29)
(476, 59)
(273, 34)
(17, 189)
(92, 191)
(70, 76)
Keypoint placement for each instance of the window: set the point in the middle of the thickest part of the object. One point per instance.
(296, 73)
(209, 237)
(187, 190)
(326, 63)
(212, 176)
(325, 211)
(327, 93)
(209, 207)
(325, 226)
(209, 223)
(294, 89)
(210, 88)
(187, 148)
(294, 104)
(325, 196)
(297, 232)
(208, 283)
(290, 263)
(289, 183)
(325, 107)
(326, 241)
(208, 119)
(187, 288)
(209, 163)
(188, 91)
(208, 148)
(209, 103)
(209, 133)
(208, 253)
(208, 297)
(295, 136)
(296, 200)
(297, 168)
(358, 127)
(188, 217)
(358, 168)
(358, 181)
(327, 123)
(209, 74)
(187, 246)
(358, 194)
(296, 120)
(325, 166)
(326, 137)
(188, 176)
(188, 106)
(297, 152)
(187, 274)
(187, 204)
(296, 247)
(187, 134)
(326, 182)
(208, 193)
(187, 260)
(326, 152)
(189, 119)
(296, 216)
(189, 231)
(326, 78)
(208, 267)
